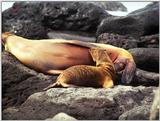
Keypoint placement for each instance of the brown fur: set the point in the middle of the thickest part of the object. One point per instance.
(89, 76)
(52, 56)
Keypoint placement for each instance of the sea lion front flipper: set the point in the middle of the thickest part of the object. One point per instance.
(108, 83)
(128, 72)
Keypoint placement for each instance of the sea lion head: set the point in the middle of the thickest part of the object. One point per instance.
(100, 56)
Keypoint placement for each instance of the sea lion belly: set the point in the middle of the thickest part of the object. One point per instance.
(46, 57)
(67, 55)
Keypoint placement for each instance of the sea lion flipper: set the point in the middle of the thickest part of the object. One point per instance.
(128, 72)
(51, 86)
(108, 83)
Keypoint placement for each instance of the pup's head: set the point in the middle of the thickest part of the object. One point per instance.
(100, 56)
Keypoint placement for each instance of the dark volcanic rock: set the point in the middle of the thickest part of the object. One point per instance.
(151, 41)
(19, 82)
(146, 58)
(82, 103)
(125, 42)
(111, 5)
(24, 19)
(137, 113)
(77, 16)
(139, 23)
(146, 78)
(34, 19)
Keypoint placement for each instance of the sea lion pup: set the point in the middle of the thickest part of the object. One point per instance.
(52, 56)
(89, 76)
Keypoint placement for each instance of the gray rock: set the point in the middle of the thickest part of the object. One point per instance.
(146, 58)
(139, 23)
(24, 19)
(111, 5)
(137, 113)
(62, 117)
(151, 41)
(82, 103)
(125, 42)
(19, 82)
(73, 16)
(34, 19)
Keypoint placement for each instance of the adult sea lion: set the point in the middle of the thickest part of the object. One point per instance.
(90, 76)
(52, 56)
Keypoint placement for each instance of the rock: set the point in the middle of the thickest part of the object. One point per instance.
(154, 112)
(19, 82)
(125, 42)
(25, 28)
(146, 78)
(70, 35)
(137, 113)
(24, 19)
(73, 16)
(151, 41)
(139, 23)
(62, 117)
(110, 5)
(34, 19)
(82, 103)
(146, 58)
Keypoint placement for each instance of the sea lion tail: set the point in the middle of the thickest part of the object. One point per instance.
(129, 72)
(51, 86)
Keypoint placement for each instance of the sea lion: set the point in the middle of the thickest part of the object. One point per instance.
(52, 56)
(89, 76)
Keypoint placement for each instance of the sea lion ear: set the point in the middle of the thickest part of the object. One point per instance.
(129, 72)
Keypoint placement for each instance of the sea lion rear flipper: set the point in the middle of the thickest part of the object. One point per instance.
(51, 86)
(128, 72)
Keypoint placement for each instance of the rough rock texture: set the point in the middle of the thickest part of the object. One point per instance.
(111, 5)
(154, 112)
(151, 41)
(146, 58)
(79, 16)
(82, 103)
(145, 78)
(24, 19)
(34, 19)
(139, 23)
(19, 82)
(72, 36)
(125, 42)
(137, 113)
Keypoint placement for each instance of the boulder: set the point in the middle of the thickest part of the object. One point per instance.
(74, 16)
(151, 41)
(34, 19)
(139, 23)
(121, 41)
(146, 58)
(137, 113)
(81, 103)
(111, 5)
(19, 82)
(24, 19)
